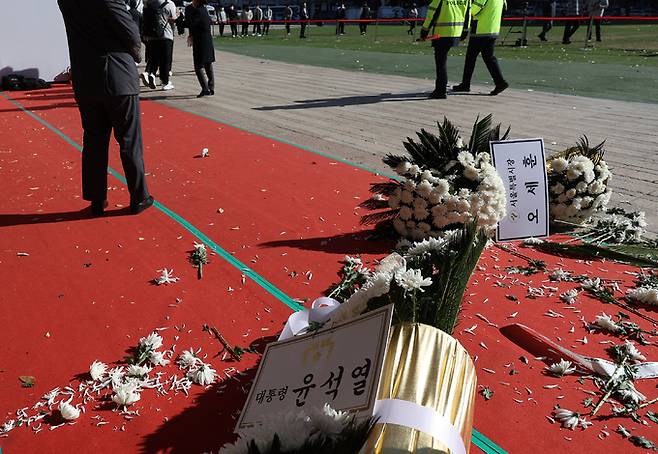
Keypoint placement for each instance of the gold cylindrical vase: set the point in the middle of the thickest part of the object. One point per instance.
(428, 367)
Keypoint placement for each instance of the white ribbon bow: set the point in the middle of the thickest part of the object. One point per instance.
(299, 322)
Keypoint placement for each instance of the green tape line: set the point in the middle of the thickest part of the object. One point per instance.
(479, 440)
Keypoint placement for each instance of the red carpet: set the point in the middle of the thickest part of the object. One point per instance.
(286, 213)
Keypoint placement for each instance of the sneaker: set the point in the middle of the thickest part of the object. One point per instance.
(461, 88)
(152, 83)
(145, 79)
(542, 37)
(499, 89)
(168, 86)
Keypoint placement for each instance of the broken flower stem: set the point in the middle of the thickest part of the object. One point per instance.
(199, 271)
(609, 392)
(214, 331)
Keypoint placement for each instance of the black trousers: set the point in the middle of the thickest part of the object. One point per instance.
(245, 28)
(340, 30)
(485, 46)
(441, 49)
(597, 27)
(206, 81)
(221, 30)
(569, 29)
(148, 54)
(266, 27)
(101, 115)
(162, 53)
(287, 26)
(363, 27)
(302, 31)
(256, 28)
(234, 29)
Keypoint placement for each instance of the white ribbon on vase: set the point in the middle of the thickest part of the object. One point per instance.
(299, 322)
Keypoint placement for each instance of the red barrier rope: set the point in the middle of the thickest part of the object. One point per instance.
(419, 19)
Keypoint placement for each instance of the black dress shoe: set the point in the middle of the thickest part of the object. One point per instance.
(499, 89)
(437, 95)
(542, 37)
(203, 93)
(212, 92)
(98, 208)
(461, 88)
(141, 206)
(566, 41)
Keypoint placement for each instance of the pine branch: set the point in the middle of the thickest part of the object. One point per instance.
(375, 218)
(374, 204)
(386, 189)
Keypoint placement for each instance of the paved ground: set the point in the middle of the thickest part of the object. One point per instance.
(360, 117)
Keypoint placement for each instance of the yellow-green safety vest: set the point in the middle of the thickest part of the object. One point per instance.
(450, 20)
(487, 13)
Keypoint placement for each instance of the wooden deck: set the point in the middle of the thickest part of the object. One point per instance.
(360, 117)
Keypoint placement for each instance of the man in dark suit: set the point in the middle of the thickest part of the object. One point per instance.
(104, 46)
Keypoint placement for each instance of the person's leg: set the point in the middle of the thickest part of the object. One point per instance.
(211, 77)
(597, 26)
(97, 127)
(221, 30)
(302, 30)
(203, 83)
(487, 49)
(287, 27)
(441, 50)
(126, 121)
(472, 52)
(566, 34)
(167, 56)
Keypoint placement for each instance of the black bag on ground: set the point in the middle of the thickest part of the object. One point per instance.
(154, 22)
(16, 82)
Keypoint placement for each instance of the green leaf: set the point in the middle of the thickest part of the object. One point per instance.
(486, 393)
(642, 442)
(589, 402)
(652, 416)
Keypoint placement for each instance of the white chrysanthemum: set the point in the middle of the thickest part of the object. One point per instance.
(203, 375)
(606, 323)
(157, 358)
(402, 168)
(569, 296)
(532, 240)
(570, 419)
(68, 411)
(645, 295)
(153, 341)
(125, 395)
(407, 197)
(628, 393)
(377, 285)
(560, 275)
(329, 423)
(591, 284)
(424, 189)
(405, 213)
(557, 189)
(400, 227)
(471, 173)
(137, 371)
(573, 173)
(633, 353)
(559, 164)
(51, 395)
(187, 359)
(412, 279)
(563, 367)
(570, 193)
(421, 214)
(97, 370)
(394, 202)
(116, 376)
(166, 277)
(414, 170)
(8, 426)
(441, 188)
